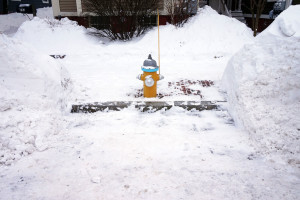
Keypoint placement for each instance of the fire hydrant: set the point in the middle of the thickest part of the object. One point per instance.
(150, 77)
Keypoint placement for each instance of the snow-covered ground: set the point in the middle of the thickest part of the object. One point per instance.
(193, 53)
(173, 154)
(48, 153)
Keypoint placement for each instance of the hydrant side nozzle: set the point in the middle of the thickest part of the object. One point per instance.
(161, 77)
(139, 76)
(149, 81)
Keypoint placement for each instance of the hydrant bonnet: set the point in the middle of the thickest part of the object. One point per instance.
(150, 65)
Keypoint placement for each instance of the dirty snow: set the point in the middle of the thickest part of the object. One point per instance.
(174, 154)
(263, 86)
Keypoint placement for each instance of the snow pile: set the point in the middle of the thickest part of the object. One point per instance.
(10, 23)
(46, 12)
(285, 25)
(33, 90)
(53, 36)
(263, 86)
(207, 32)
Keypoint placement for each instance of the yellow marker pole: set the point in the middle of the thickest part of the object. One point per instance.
(158, 41)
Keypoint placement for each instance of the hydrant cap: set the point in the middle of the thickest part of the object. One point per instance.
(150, 62)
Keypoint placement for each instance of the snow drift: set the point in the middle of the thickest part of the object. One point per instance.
(263, 86)
(207, 32)
(10, 23)
(53, 36)
(286, 25)
(33, 92)
(46, 12)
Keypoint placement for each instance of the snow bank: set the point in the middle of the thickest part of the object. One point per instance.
(207, 32)
(53, 36)
(46, 12)
(263, 87)
(10, 23)
(286, 24)
(33, 90)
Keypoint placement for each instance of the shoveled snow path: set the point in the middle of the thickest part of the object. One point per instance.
(101, 77)
(175, 154)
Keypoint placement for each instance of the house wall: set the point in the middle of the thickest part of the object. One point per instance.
(55, 8)
(67, 5)
(13, 4)
(84, 9)
(82, 21)
(67, 8)
(162, 7)
(76, 10)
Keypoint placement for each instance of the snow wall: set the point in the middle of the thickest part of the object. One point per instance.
(262, 82)
(34, 88)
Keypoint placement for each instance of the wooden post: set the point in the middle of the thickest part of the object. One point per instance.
(158, 41)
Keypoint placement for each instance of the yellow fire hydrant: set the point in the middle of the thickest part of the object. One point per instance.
(150, 77)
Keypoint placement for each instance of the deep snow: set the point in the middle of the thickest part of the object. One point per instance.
(10, 23)
(34, 91)
(175, 154)
(263, 86)
(198, 48)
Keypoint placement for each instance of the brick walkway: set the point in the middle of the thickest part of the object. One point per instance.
(182, 87)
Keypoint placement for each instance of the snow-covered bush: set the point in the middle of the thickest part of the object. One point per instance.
(34, 88)
(263, 86)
